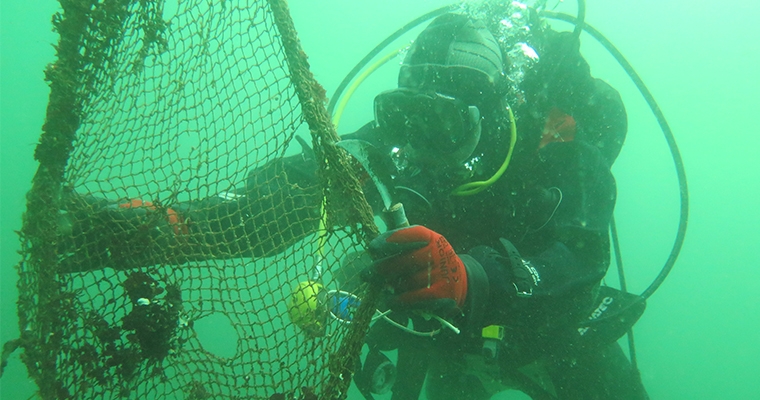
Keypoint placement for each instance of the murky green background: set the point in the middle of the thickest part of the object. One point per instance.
(699, 336)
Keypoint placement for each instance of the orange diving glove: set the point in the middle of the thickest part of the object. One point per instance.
(421, 269)
(176, 221)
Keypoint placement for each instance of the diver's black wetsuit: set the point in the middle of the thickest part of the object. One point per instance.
(553, 207)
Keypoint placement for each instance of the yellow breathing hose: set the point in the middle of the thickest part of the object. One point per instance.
(359, 79)
(471, 188)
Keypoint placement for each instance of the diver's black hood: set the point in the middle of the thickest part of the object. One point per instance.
(458, 56)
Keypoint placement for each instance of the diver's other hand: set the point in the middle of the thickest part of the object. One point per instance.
(138, 211)
(96, 233)
(420, 267)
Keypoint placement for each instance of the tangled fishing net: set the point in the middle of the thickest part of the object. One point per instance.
(161, 202)
(162, 208)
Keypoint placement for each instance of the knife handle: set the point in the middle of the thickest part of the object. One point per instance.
(395, 216)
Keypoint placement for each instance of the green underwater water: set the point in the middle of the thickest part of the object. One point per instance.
(699, 336)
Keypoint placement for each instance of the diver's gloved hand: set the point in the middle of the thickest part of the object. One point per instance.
(421, 269)
(137, 211)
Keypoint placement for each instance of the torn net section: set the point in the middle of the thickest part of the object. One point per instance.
(161, 253)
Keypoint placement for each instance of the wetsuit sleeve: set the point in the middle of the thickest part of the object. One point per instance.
(551, 283)
(279, 206)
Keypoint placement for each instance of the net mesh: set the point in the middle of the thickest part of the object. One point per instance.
(165, 238)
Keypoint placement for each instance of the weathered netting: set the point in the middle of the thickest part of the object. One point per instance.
(175, 107)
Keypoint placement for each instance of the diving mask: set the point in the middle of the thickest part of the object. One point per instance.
(440, 129)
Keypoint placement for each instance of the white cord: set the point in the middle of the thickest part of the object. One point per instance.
(384, 314)
(409, 330)
(559, 201)
(447, 324)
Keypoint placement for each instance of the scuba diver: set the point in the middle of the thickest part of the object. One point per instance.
(500, 149)
(518, 262)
